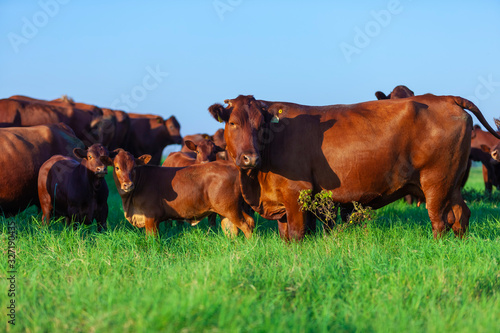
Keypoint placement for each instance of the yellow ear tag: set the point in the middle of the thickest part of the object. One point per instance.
(280, 111)
(219, 119)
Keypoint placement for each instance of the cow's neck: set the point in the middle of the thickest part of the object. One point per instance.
(95, 182)
(251, 183)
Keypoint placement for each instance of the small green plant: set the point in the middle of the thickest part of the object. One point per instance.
(325, 209)
(360, 214)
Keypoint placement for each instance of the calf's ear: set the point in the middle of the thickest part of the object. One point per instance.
(106, 160)
(190, 144)
(485, 148)
(143, 160)
(80, 153)
(219, 112)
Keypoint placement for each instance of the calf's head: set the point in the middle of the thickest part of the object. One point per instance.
(206, 150)
(124, 165)
(91, 158)
(244, 118)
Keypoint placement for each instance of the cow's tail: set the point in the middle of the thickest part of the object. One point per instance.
(466, 104)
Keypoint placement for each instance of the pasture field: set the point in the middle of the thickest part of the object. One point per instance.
(389, 276)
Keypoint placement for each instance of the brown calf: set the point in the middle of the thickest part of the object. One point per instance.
(152, 194)
(75, 189)
(203, 152)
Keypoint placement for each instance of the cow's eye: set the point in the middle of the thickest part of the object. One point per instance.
(90, 157)
(117, 168)
(231, 123)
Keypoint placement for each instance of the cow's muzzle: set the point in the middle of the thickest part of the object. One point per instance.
(101, 171)
(127, 187)
(249, 161)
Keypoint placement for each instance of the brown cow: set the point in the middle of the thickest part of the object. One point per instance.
(75, 190)
(485, 141)
(24, 150)
(373, 153)
(150, 134)
(203, 152)
(397, 93)
(152, 194)
(22, 111)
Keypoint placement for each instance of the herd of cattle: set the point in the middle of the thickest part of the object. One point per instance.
(373, 153)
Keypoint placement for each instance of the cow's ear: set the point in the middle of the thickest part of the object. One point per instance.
(143, 160)
(485, 148)
(190, 144)
(106, 160)
(219, 112)
(380, 95)
(80, 153)
(497, 122)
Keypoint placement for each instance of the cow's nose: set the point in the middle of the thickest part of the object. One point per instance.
(250, 160)
(127, 187)
(101, 169)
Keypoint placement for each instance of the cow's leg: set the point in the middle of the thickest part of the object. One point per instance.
(101, 217)
(445, 204)
(488, 185)
(283, 228)
(212, 220)
(461, 214)
(151, 227)
(310, 223)
(296, 221)
(229, 229)
(242, 220)
(46, 209)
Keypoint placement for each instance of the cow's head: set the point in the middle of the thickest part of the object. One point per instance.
(244, 118)
(91, 158)
(174, 130)
(124, 165)
(206, 150)
(398, 92)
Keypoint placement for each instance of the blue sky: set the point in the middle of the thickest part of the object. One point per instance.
(179, 57)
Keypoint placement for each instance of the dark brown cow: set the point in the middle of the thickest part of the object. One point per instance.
(75, 190)
(397, 93)
(113, 129)
(152, 194)
(22, 111)
(24, 150)
(203, 152)
(483, 140)
(150, 134)
(119, 128)
(373, 153)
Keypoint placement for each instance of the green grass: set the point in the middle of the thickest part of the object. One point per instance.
(390, 276)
